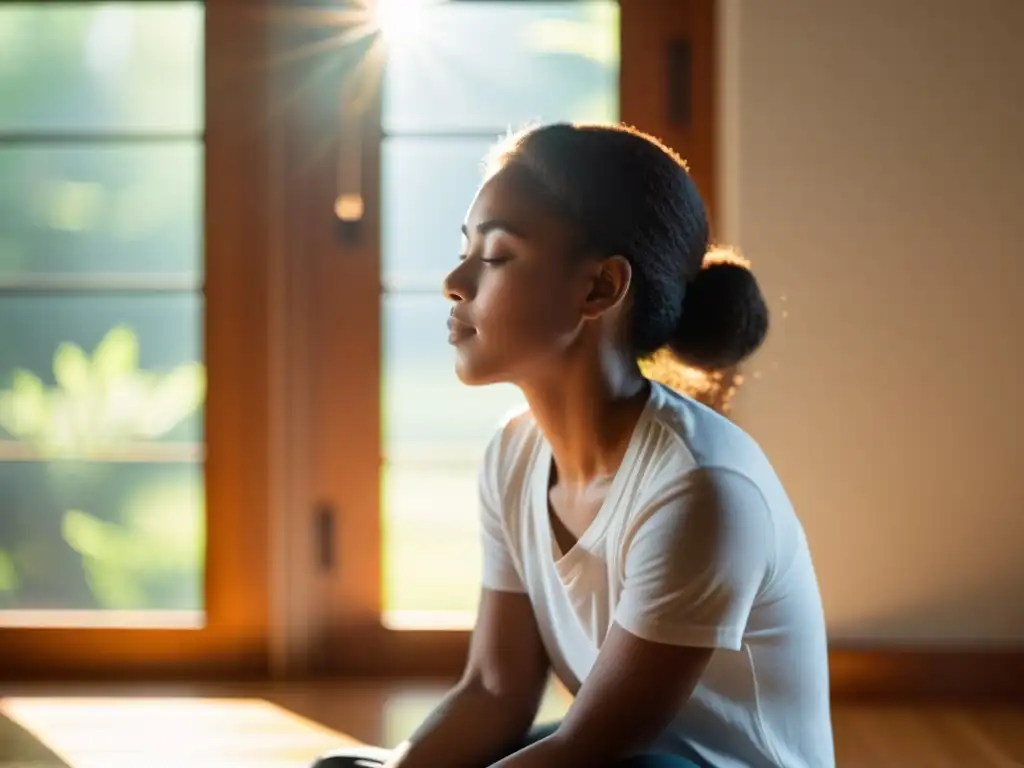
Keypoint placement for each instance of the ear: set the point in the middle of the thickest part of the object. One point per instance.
(609, 286)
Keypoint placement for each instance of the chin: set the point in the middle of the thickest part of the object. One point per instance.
(473, 375)
(470, 377)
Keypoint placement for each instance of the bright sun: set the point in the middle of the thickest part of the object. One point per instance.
(399, 20)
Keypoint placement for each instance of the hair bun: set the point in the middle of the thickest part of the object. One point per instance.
(725, 316)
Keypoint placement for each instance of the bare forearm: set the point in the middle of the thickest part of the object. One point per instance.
(471, 728)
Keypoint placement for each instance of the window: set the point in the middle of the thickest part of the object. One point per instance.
(134, 357)
(102, 380)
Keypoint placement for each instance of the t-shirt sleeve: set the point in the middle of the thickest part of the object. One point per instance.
(696, 562)
(499, 568)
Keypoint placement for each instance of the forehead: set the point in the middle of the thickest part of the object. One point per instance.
(507, 196)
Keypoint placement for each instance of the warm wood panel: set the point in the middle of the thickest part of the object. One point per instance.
(990, 674)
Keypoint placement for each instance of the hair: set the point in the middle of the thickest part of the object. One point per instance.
(628, 194)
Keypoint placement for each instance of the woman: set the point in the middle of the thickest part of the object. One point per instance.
(636, 543)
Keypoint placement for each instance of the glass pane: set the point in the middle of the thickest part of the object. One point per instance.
(432, 553)
(420, 236)
(84, 373)
(429, 416)
(101, 401)
(435, 432)
(487, 66)
(116, 536)
(109, 209)
(101, 67)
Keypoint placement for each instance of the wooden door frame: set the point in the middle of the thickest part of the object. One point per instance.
(327, 342)
(234, 642)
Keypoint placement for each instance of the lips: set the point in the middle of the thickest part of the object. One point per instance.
(459, 330)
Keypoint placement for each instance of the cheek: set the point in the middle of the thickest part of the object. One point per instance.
(525, 315)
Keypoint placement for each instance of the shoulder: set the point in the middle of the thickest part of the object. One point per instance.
(707, 484)
(705, 513)
(704, 470)
(517, 434)
(695, 450)
(508, 455)
(700, 437)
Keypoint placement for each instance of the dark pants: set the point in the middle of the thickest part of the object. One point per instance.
(373, 757)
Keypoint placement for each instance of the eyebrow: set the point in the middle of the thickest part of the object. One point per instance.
(492, 224)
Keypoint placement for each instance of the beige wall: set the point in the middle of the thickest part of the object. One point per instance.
(873, 169)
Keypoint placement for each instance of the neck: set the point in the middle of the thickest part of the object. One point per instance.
(588, 412)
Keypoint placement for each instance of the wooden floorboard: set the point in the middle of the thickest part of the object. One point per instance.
(286, 726)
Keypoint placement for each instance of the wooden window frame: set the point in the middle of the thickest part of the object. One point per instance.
(235, 640)
(351, 640)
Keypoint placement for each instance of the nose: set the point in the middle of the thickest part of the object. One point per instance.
(457, 286)
(451, 292)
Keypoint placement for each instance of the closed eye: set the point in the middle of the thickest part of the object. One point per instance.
(492, 260)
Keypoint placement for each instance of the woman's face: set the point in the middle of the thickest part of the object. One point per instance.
(520, 293)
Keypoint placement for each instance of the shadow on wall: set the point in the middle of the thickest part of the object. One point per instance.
(966, 616)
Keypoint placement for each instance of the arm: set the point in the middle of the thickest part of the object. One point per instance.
(630, 698)
(693, 570)
(490, 710)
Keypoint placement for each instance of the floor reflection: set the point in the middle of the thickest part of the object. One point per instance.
(171, 732)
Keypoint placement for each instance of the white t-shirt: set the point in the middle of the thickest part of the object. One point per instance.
(696, 544)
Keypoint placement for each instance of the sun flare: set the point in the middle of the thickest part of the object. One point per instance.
(399, 21)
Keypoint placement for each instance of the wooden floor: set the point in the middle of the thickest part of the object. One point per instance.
(286, 727)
